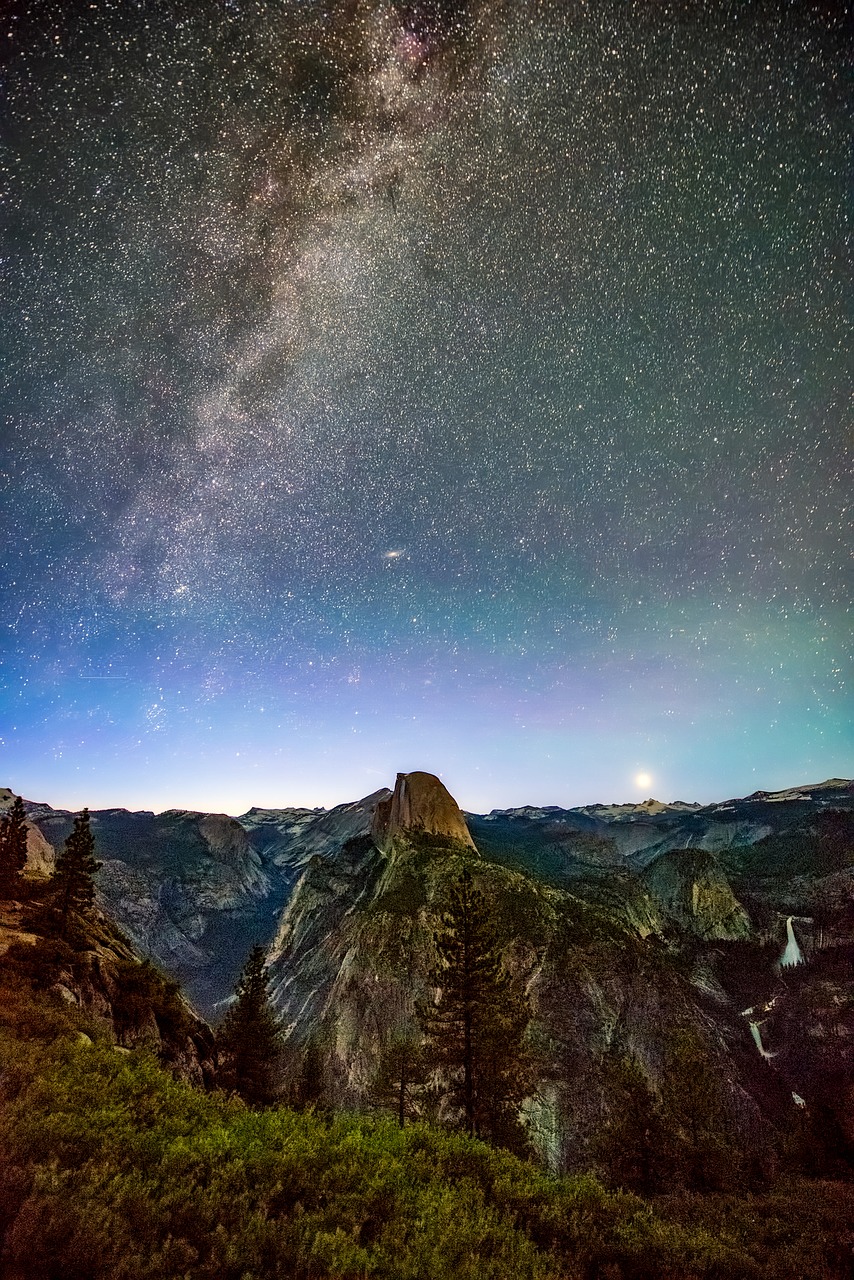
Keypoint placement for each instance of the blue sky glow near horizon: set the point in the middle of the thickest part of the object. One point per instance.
(442, 385)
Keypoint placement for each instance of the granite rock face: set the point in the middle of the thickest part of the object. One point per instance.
(623, 924)
(693, 891)
(108, 981)
(353, 957)
(420, 802)
(188, 888)
(614, 952)
(195, 891)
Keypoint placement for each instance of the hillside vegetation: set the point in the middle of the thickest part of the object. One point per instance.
(470, 1000)
(113, 1169)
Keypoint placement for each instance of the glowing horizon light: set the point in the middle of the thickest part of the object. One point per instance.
(643, 780)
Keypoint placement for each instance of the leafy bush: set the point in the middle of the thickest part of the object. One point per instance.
(141, 992)
(111, 1168)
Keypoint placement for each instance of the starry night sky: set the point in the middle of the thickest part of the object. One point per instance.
(423, 385)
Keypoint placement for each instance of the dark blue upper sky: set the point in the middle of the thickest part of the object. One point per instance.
(447, 386)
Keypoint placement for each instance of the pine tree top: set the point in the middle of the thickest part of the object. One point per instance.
(249, 1040)
(13, 843)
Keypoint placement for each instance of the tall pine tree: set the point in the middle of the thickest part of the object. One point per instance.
(401, 1077)
(703, 1147)
(13, 846)
(476, 1026)
(249, 1040)
(630, 1143)
(74, 882)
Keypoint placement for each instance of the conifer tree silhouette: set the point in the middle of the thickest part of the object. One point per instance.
(76, 865)
(475, 1027)
(249, 1040)
(13, 846)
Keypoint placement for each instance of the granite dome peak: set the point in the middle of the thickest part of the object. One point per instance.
(420, 802)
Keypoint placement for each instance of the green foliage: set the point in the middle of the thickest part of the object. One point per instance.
(630, 1145)
(112, 1170)
(13, 847)
(31, 1016)
(73, 880)
(249, 1041)
(555, 854)
(127, 997)
(401, 1077)
(306, 1075)
(820, 849)
(143, 994)
(41, 963)
(404, 897)
(404, 886)
(475, 1029)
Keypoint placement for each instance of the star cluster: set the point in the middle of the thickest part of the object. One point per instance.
(442, 385)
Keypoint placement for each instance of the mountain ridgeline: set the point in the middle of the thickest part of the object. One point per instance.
(691, 964)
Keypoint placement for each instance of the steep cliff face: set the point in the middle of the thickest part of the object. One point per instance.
(419, 803)
(355, 941)
(185, 886)
(624, 924)
(104, 978)
(194, 891)
(353, 955)
(693, 891)
(808, 1033)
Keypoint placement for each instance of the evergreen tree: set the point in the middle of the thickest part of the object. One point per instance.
(476, 1027)
(401, 1077)
(702, 1148)
(631, 1142)
(13, 846)
(306, 1087)
(74, 876)
(249, 1040)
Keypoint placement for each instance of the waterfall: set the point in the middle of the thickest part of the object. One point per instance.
(793, 954)
(757, 1039)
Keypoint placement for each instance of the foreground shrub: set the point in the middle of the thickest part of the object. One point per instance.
(110, 1168)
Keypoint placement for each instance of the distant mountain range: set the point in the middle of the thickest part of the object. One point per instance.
(627, 925)
(194, 890)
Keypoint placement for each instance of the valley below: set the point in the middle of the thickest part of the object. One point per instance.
(685, 975)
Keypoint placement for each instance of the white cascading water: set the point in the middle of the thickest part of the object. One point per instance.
(793, 954)
(757, 1038)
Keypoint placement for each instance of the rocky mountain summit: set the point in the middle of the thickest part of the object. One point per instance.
(627, 926)
(420, 802)
(619, 952)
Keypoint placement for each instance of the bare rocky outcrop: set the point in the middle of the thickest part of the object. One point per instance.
(354, 953)
(623, 922)
(103, 977)
(191, 889)
(194, 890)
(693, 891)
(420, 803)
